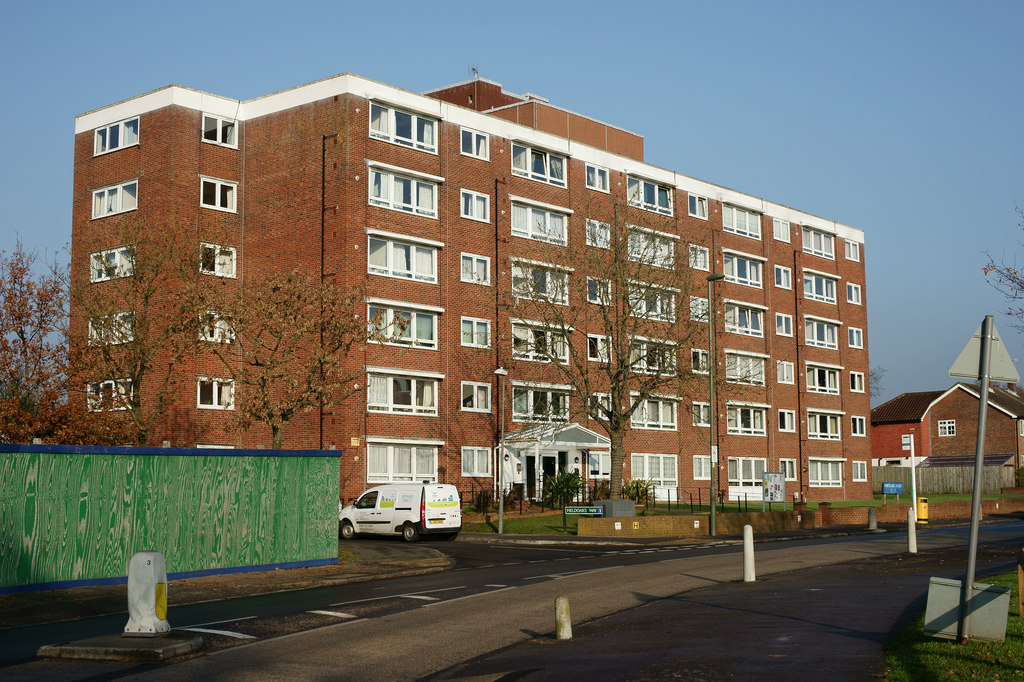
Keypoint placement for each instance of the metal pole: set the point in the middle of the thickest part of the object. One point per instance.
(712, 412)
(502, 372)
(967, 592)
(913, 478)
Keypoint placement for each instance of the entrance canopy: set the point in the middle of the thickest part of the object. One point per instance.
(557, 435)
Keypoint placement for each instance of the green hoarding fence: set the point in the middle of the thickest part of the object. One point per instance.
(75, 515)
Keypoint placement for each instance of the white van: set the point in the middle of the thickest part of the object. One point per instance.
(409, 509)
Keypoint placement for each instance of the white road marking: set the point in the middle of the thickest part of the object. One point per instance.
(468, 596)
(395, 596)
(418, 596)
(336, 614)
(225, 633)
(218, 622)
(495, 585)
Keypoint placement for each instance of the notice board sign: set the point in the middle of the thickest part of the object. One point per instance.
(774, 486)
(892, 487)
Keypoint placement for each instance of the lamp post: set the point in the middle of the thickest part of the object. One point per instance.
(501, 372)
(711, 393)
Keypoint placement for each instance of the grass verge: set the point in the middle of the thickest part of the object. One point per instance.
(526, 525)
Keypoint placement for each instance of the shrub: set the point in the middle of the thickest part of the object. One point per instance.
(562, 488)
(638, 489)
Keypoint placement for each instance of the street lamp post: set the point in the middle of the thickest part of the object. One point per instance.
(711, 391)
(501, 372)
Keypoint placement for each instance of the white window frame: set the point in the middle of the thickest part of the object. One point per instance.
(641, 352)
(112, 329)
(824, 424)
(533, 342)
(410, 335)
(855, 336)
(744, 319)
(858, 426)
(381, 398)
(474, 205)
(393, 250)
(122, 129)
(746, 472)
(525, 282)
(785, 372)
(227, 203)
(216, 328)
(818, 243)
(640, 467)
(744, 368)
(699, 309)
(474, 456)
(824, 473)
(700, 257)
(857, 384)
(109, 395)
(598, 178)
(787, 421)
(477, 390)
(701, 414)
(475, 262)
(699, 361)
(222, 258)
(853, 293)
(946, 427)
(744, 419)
(741, 221)
(600, 463)
(652, 302)
(702, 467)
(852, 249)
(822, 379)
(697, 206)
(221, 393)
(638, 189)
(111, 264)
(788, 467)
(225, 131)
(598, 348)
(418, 454)
(819, 286)
(783, 324)
(386, 180)
(477, 141)
(543, 224)
(860, 471)
(556, 166)
(656, 413)
(780, 230)
(651, 247)
(821, 333)
(783, 277)
(389, 131)
(599, 234)
(599, 290)
(742, 269)
(114, 199)
(532, 396)
(476, 323)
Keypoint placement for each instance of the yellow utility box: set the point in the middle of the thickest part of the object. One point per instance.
(922, 510)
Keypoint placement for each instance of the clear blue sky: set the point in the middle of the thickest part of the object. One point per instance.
(903, 119)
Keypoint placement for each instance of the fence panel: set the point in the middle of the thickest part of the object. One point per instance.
(943, 480)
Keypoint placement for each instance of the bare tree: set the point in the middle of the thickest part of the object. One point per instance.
(1007, 277)
(875, 376)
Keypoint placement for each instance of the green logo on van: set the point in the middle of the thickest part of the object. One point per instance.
(443, 503)
(387, 504)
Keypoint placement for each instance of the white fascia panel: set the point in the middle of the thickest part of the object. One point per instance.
(394, 371)
(372, 232)
(540, 384)
(744, 254)
(748, 353)
(540, 204)
(383, 440)
(404, 305)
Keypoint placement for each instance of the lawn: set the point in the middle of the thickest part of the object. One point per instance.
(913, 656)
(546, 524)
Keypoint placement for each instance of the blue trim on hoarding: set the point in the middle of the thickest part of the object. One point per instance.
(123, 580)
(179, 452)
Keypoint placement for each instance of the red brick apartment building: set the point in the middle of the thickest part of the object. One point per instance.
(420, 197)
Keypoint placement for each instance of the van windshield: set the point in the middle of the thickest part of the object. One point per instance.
(367, 501)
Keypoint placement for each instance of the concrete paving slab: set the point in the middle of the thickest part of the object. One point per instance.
(131, 649)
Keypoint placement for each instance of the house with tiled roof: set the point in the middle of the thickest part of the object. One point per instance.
(944, 425)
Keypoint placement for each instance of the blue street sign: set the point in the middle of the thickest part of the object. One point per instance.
(892, 487)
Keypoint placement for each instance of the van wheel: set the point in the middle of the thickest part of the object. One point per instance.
(348, 531)
(409, 533)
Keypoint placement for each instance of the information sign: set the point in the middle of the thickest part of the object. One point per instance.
(774, 486)
(584, 510)
(892, 487)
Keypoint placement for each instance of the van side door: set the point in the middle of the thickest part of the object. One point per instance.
(367, 513)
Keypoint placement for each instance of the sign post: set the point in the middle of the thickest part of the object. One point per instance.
(908, 444)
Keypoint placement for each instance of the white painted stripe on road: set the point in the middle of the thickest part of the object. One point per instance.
(418, 596)
(225, 633)
(336, 614)
(218, 622)
(300, 633)
(468, 596)
(395, 596)
(495, 585)
(569, 574)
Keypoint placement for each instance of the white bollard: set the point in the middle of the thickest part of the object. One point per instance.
(911, 532)
(147, 595)
(563, 622)
(872, 519)
(748, 554)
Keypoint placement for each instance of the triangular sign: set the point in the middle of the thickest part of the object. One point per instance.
(968, 364)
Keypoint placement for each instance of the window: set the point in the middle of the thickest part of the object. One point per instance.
(476, 397)
(740, 270)
(538, 165)
(111, 263)
(655, 413)
(824, 473)
(852, 253)
(783, 277)
(856, 337)
(403, 193)
(947, 427)
(112, 394)
(821, 333)
(699, 257)
(784, 371)
(540, 404)
(783, 324)
(788, 467)
(698, 206)
(476, 333)
(699, 360)
(818, 287)
(115, 199)
(740, 221)
(742, 319)
(537, 223)
(746, 472)
(476, 269)
(698, 309)
(540, 283)
(600, 464)
(400, 127)
(819, 243)
(599, 234)
(475, 206)
(652, 302)
(659, 469)
(652, 357)
(400, 462)
(405, 260)
(598, 349)
(112, 329)
(860, 471)
(858, 426)
(745, 420)
(392, 325)
(701, 414)
(218, 194)
(401, 394)
(219, 131)
(857, 382)
(823, 379)
(649, 196)
(1020, 427)
(599, 405)
(780, 229)
(475, 144)
(787, 421)
(823, 425)
(539, 344)
(216, 328)
(476, 461)
(215, 394)
(650, 247)
(599, 290)
(741, 368)
(216, 259)
(116, 136)
(853, 292)
(597, 178)
(701, 467)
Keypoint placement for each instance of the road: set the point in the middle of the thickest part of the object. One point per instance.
(494, 598)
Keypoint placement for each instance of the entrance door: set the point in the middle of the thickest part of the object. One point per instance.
(531, 477)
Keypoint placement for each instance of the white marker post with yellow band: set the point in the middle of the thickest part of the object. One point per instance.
(147, 595)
